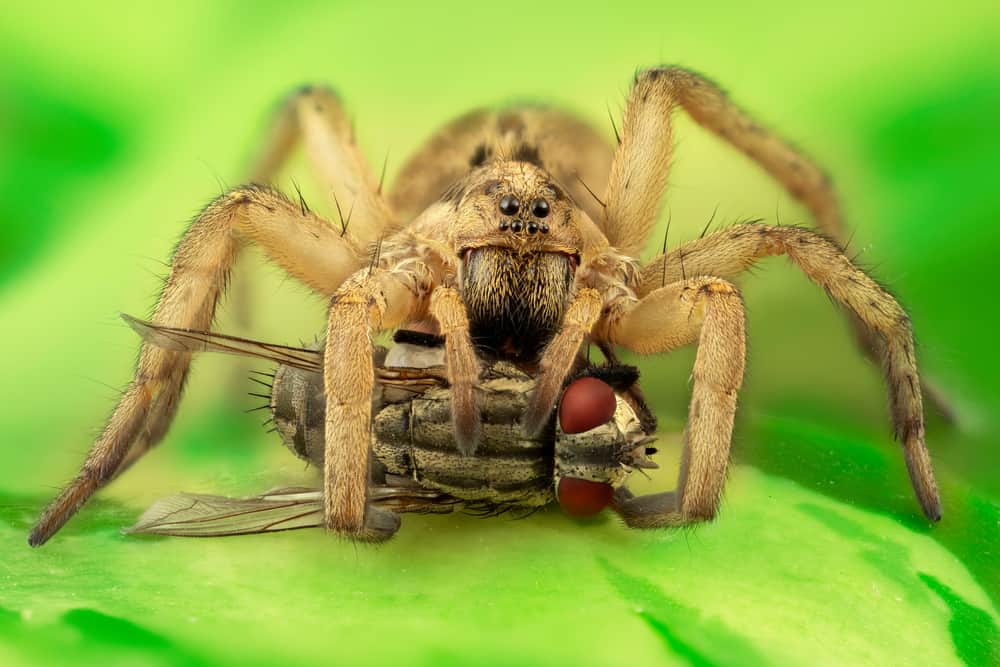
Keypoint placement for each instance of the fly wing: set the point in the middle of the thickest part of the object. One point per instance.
(189, 340)
(197, 515)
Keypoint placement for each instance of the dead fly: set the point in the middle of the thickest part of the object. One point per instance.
(582, 460)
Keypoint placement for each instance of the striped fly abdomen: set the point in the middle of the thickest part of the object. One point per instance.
(412, 435)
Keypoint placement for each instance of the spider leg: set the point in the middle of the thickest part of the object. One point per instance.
(729, 251)
(707, 311)
(463, 370)
(559, 355)
(302, 243)
(370, 301)
(315, 116)
(642, 162)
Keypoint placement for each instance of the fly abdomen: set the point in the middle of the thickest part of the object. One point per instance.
(415, 438)
(298, 407)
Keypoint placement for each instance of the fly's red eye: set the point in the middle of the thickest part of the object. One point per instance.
(582, 498)
(587, 403)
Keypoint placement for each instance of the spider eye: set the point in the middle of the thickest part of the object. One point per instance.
(509, 205)
(540, 208)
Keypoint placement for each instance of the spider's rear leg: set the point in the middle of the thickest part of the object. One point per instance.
(642, 163)
(305, 245)
(315, 116)
(730, 251)
(709, 312)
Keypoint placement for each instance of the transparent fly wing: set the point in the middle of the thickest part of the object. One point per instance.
(188, 340)
(198, 515)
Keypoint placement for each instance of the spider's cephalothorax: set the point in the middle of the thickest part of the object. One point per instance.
(519, 244)
(523, 256)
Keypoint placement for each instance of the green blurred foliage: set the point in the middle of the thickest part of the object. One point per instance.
(57, 140)
(117, 123)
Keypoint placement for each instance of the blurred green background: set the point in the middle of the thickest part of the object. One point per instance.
(118, 123)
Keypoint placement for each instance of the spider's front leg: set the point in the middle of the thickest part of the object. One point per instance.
(368, 302)
(732, 250)
(709, 312)
(315, 117)
(304, 244)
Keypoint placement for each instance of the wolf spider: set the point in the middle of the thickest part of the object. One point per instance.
(493, 237)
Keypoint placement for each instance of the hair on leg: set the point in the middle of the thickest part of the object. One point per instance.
(730, 251)
(709, 312)
(463, 369)
(315, 117)
(558, 358)
(368, 302)
(199, 271)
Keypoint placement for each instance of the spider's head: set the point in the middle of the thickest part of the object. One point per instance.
(517, 206)
(518, 235)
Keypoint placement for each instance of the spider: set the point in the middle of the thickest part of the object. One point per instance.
(493, 238)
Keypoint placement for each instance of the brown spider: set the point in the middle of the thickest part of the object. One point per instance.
(517, 260)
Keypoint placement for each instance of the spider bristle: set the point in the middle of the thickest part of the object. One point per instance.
(376, 256)
(618, 137)
(350, 214)
(381, 179)
(592, 194)
(267, 396)
(223, 186)
(709, 223)
(258, 408)
(340, 214)
(847, 246)
(303, 207)
(670, 217)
